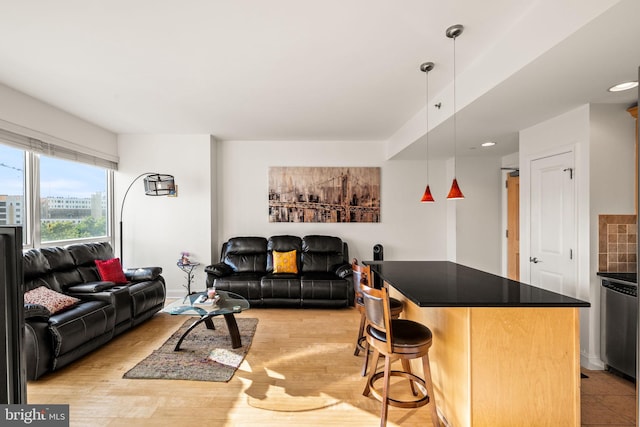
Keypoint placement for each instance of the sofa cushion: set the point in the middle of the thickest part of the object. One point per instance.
(246, 245)
(246, 254)
(62, 267)
(34, 264)
(280, 286)
(321, 254)
(111, 270)
(324, 286)
(80, 324)
(52, 300)
(89, 273)
(285, 262)
(283, 243)
(59, 258)
(245, 284)
(84, 254)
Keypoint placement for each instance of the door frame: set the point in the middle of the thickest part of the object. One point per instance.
(513, 218)
(525, 209)
(507, 168)
(586, 237)
(568, 266)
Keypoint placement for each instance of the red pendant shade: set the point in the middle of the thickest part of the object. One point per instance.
(455, 192)
(427, 197)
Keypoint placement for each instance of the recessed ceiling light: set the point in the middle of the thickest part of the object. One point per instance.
(623, 86)
(488, 144)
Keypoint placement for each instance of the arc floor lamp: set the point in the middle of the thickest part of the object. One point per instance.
(155, 184)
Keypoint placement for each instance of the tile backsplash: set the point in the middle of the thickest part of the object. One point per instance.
(617, 243)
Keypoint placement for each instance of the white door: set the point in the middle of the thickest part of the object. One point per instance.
(553, 224)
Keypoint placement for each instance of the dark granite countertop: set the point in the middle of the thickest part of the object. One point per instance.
(447, 284)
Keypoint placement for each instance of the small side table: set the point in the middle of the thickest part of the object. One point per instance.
(188, 268)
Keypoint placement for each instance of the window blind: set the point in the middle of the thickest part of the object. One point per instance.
(53, 150)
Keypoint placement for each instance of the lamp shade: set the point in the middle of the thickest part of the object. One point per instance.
(427, 197)
(455, 192)
(159, 185)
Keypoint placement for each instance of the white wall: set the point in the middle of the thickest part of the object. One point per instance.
(222, 192)
(612, 189)
(408, 229)
(603, 140)
(28, 116)
(157, 229)
(478, 215)
(612, 162)
(567, 132)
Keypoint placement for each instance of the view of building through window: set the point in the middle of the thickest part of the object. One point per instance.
(12, 207)
(73, 200)
(73, 196)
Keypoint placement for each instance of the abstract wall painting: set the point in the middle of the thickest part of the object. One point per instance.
(324, 194)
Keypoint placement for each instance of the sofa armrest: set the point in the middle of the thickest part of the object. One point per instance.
(219, 270)
(344, 270)
(90, 287)
(142, 273)
(108, 295)
(32, 311)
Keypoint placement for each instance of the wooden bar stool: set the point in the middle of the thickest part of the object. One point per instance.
(396, 339)
(360, 272)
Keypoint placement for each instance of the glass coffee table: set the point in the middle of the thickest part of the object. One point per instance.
(226, 305)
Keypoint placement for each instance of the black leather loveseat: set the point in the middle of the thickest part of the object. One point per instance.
(321, 276)
(95, 310)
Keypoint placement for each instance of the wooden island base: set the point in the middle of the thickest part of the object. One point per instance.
(503, 366)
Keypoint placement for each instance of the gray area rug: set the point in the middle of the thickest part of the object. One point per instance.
(205, 354)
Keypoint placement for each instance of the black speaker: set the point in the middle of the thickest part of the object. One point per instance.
(378, 252)
(378, 255)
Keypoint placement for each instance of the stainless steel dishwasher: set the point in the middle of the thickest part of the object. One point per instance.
(619, 324)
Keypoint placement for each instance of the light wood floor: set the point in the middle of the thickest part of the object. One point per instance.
(299, 371)
(607, 400)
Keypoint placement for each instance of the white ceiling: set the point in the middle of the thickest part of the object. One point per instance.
(321, 70)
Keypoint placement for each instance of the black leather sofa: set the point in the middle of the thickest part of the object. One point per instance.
(323, 280)
(105, 309)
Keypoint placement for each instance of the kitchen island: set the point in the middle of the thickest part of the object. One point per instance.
(504, 353)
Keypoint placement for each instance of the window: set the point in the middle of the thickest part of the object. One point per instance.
(73, 200)
(55, 200)
(12, 192)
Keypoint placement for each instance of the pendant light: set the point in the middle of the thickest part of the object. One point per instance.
(425, 68)
(455, 193)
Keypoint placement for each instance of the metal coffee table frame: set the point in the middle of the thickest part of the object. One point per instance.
(227, 306)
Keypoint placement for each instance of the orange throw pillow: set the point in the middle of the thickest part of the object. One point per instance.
(285, 262)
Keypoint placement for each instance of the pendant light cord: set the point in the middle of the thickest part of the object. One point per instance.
(427, 113)
(455, 193)
(455, 127)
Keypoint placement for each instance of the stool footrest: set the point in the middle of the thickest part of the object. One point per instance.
(421, 399)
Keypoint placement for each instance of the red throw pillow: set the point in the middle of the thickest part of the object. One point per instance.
(111, 271)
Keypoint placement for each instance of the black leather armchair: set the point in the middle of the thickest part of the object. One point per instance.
(323, 277)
